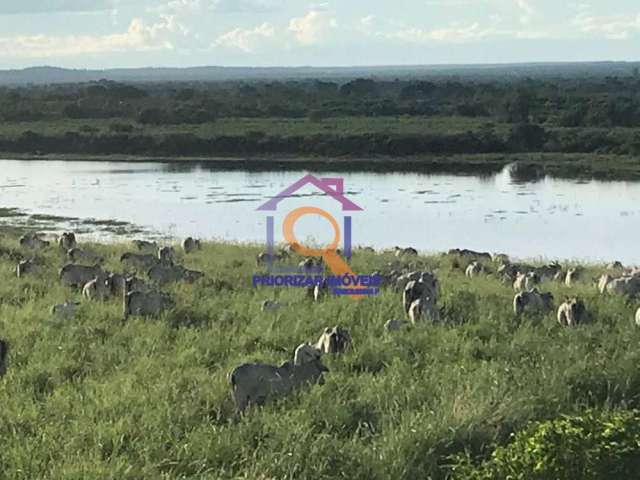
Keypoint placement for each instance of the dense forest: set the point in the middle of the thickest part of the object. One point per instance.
(359, 117)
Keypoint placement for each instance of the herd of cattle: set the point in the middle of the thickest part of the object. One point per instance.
(139, 297)
(255, 383)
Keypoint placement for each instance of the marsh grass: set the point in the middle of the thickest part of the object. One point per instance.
(96, 397)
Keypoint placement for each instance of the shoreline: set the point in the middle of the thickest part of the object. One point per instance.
(558, 165)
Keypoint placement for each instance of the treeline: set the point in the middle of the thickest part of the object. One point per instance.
(578, 102)
(521, 138)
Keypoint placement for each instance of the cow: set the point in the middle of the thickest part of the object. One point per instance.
(78, 275)
(526, 281)
(144, 245)
(79, 255)
(334, 340)
(163, 274)
(423, 309)
(139, 261)
(190, 245)
(425, 288)
(33, 241)
(26, 267)
(67, 241)
(320, 290)
(474, 269)
(572, 312)
(166, 255)
(145, 303)
(98, 289)
(626, 285)
(532, 300)
(256, 383)
(403, 252)
(572, 276)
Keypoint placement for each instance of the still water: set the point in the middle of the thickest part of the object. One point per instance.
(550, 218)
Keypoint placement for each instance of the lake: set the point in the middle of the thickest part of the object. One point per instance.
(550, 218)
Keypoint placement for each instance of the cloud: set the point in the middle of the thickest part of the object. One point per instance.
(455, 33)
(11, 7)
(247, 40)
(527, 11)
(248, 6)
(313, 27)
(613, 27)
(139, 36)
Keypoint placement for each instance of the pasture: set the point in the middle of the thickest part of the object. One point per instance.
(99, 397)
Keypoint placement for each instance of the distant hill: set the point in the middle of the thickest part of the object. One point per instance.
(47, 75)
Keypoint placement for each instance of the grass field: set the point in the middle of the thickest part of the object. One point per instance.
(97, 397)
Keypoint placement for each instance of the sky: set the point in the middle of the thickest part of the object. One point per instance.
(180, 33)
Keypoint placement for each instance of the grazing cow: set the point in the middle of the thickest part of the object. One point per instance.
(469, 255)
(118, 283)
(78, 275)
(507, 273)
(627, 285)
(163, 274)
(256, 383)
(423, 309)
(320, 290)
(500, 258)
(402, 252)
(311, 265)
(532, 300)
(547, 272)
(97, 289)
(572, 312)
(166, 255)
(603, 281)
(572, 276)
(145, 303)
(638, 317)
(33, 241)
(144, 245)
(265, 258)
(306, 353)
(270, 306)
(78, 255)
(67, 241)
(426, 288)
(526, 281)
(66, 310)
(190, 245)
(4, 352)
(394, 325)
(139, 261)
(474, 269)
(26, 267)
(334, 340)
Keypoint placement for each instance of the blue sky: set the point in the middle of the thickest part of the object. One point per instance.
(131, 33)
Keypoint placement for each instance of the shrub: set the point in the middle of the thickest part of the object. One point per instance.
(596, 445)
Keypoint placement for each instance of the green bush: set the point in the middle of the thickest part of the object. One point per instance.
(596, 445)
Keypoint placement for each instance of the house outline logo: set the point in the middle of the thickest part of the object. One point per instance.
(333, 187)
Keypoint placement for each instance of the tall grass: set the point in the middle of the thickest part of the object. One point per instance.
(97, 397)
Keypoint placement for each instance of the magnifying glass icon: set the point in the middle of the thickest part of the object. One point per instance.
(336, 263)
